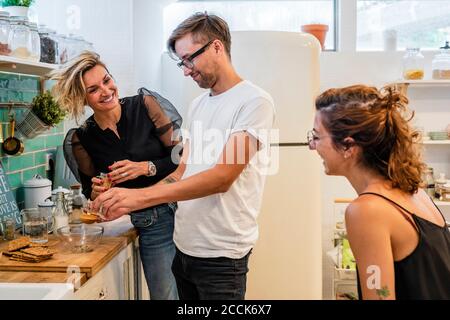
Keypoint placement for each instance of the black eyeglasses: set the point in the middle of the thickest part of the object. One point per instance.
(187, 62)
(312, 138)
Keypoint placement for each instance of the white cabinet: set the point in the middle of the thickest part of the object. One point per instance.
(116, 281)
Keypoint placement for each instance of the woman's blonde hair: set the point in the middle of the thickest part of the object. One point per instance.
(69, 90)
(378, 122)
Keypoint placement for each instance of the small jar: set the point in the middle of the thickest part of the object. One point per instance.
(445, 193)
(49, 46)
(438, 185)
(20, 38)
(35, 43)
(5, 30)
(428, 179)
(441, 63)
(9, 229)
(413, 64)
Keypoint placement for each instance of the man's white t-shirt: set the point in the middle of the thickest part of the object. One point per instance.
(224, 225)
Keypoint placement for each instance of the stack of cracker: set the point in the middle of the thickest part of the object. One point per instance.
(24, 251)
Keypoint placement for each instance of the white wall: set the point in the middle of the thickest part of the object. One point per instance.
(106, 23)
(148, 42)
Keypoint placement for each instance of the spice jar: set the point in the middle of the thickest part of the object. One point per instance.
(441, 63)
(20, 38)
(413, 64)
(5, 29)
(49, 47)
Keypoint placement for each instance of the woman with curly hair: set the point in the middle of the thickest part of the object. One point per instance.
(398, 236)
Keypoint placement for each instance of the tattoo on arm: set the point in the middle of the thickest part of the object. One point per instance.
(383, 293)
(169, 180)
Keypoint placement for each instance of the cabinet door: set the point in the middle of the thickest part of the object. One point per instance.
(114, 282)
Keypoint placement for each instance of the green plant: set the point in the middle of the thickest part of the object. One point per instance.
(21, 3)
(46, 108)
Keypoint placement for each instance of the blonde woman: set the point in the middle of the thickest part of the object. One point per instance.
(397, 234)
(131, 139)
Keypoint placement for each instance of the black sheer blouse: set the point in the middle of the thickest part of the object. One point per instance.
(147, 130)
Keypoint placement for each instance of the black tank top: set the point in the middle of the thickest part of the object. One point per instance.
(425, 273)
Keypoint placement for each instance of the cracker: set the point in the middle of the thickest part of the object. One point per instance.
(18, 244)
(38, 251)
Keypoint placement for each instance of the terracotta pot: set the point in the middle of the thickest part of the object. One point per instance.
(317, 30)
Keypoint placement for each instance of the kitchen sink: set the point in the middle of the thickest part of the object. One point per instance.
(36, 291)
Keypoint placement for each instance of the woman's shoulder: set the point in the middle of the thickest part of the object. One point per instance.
(132, 100)
(368, 209)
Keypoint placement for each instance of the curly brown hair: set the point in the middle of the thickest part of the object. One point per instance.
(378, 122)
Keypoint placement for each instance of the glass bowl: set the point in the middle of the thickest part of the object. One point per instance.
(80, 238)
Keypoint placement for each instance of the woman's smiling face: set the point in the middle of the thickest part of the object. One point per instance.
(101, 90)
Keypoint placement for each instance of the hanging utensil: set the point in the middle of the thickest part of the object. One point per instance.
(13, 146)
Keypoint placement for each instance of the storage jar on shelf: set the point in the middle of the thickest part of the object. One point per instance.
(20, 38)
(49, 46)
(5, 29)
(441, 64)
(35, 43)
(413, 64)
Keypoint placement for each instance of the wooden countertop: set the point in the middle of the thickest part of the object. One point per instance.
(40, 277)
(55, 269)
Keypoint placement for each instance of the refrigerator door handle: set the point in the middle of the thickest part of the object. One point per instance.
(291, 144)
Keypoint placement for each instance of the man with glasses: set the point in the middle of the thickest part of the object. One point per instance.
(220, 192)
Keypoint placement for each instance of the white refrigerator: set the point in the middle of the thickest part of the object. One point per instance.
(287, 260)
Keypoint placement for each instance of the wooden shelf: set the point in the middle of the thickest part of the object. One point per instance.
(442, 203)
(423, 83)
(16, 65)
(436, 142)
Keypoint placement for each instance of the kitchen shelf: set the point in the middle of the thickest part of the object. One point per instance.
(423, 83)
(436, 142)
(442, 203)
(16, 65)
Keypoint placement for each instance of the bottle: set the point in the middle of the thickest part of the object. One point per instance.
(428, 179)
(20, 38)
(78, 202)
(413, 64)
(61, 214)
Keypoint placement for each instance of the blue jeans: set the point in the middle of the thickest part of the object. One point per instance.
(210, 278)
(157, 249)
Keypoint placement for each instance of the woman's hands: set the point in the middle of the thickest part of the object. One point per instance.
(97, 187)
(125, 170)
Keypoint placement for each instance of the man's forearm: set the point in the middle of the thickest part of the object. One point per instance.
(198, 186)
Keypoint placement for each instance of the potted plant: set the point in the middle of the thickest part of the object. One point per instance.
(17, 7)
(43, 114)
(317, 30)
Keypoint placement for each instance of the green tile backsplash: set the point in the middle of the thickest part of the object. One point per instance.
(21, 88)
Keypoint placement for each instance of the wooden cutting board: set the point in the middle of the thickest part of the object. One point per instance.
(89, 263)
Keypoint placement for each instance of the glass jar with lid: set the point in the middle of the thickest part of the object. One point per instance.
(20, 38)
(35, 43)
(441, 63)
(49, 49)
(413, 64)
(5, 29)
